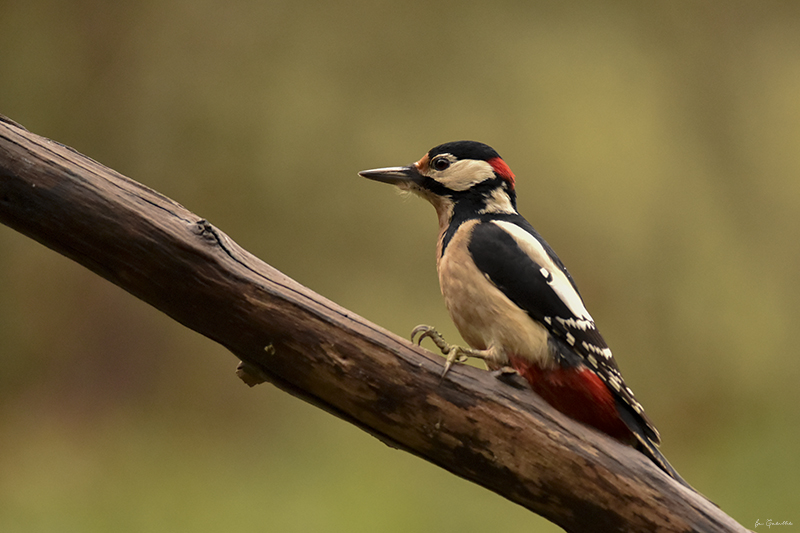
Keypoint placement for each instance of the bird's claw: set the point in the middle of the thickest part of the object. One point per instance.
(428, 331)
(455, 354)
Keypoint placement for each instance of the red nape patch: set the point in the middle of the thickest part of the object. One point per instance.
(502, 170)
(579, 394)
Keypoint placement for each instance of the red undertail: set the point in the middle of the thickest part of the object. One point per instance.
(579, 394)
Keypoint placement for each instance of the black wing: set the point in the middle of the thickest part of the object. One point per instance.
(539, 284)
(536, 283)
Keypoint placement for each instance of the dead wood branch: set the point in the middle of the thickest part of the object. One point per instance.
(495, 434)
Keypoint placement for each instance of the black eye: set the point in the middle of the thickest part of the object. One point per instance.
(440, 163)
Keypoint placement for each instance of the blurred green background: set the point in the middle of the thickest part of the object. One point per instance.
(656, 146)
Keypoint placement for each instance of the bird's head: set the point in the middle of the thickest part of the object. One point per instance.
(466, 172)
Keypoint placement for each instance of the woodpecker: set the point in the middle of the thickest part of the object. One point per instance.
(511, 297)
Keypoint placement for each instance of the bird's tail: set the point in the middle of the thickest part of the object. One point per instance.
(647, 440)
(652, 452)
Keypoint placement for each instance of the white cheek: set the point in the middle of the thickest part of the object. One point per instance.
(462, 175)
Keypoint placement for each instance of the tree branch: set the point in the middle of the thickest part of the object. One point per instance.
(499, 435)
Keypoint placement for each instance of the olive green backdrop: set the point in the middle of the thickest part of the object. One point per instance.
(656, 147)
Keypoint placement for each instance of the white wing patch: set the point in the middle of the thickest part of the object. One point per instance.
(559, 282)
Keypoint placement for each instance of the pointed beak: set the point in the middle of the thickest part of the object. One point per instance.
(394, 175)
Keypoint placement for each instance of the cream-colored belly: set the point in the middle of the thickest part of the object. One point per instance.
(484, 316)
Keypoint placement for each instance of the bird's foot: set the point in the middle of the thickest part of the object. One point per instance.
(509, 376)
(504, 371)
(454, 354)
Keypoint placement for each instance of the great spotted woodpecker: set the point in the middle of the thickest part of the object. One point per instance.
(512, 299)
